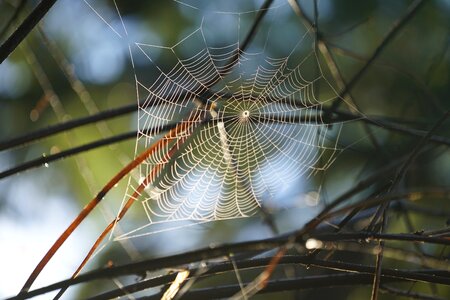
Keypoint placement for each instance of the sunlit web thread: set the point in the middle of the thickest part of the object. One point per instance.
(264, 130)
(183, 172)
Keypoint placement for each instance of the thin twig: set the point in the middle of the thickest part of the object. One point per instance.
(135, 268)
(391, 34)
(408, 294)
(132, 108)
(180, 128)
(97, 199)
(420, 209)
(132, 199)
(61, 127)
(46, 159)
(385, 206)
(415, 152)
(343, 116)
(367, 236)
(63, 154)
(280, 285)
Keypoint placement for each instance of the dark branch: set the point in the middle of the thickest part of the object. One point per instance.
(358, 236)
(273, 286)
(395, 29)
(437, 276)
(24, 29)
(341, 116)
(63, 154)
(408, 293)
(13, 18)
(51, 130)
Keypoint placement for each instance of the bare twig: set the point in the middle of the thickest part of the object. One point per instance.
(367, 236)
(61, 127)
(63, 154)
(180, 128)
(408, 294)
(24, 29)
(384, 206)
(429, 275)
(391, 34)
(96, 200)
(438, 140)
(273, 286)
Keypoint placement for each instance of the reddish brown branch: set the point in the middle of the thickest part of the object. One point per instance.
(93, 203)
(148, 180)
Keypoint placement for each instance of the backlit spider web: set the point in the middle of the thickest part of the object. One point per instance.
(258, 125)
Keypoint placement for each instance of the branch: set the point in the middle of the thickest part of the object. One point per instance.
(408, 293)
(392, 33)
(24, 29)
(63, 154)
(406, 237)
(13, 18)
(273, 286)
(342, 116)
(429, 275)
(51, 130)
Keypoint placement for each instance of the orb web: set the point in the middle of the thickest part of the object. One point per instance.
(258, 126)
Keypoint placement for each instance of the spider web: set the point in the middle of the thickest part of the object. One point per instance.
(253, 117)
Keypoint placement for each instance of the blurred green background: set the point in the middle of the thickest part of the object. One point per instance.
(408, 83)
